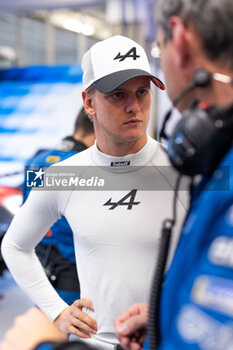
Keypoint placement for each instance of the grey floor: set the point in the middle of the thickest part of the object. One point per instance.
(13, 302)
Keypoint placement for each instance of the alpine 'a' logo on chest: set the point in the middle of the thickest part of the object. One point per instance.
(131, 53)
(128, 200)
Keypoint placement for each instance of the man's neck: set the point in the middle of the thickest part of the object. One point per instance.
(121, 149)
(218, 93)
(87, 140)
(222, 97)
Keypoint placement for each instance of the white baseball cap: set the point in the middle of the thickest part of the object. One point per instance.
(111, 62)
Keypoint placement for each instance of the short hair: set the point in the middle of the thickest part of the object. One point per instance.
(90, 90)
(212, 20)
(83, 123)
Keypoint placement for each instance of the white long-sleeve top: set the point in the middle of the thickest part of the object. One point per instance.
(115, 244)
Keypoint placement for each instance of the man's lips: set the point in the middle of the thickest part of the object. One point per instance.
(133, 122)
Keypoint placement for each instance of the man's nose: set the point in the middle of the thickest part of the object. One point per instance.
(132, 104)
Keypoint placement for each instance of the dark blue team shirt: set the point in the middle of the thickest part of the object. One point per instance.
(197, 299)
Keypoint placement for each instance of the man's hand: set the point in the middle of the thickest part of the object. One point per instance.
(29, 330)
(131, 326)
(73, 320)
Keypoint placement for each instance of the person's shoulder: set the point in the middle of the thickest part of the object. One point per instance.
(49, 157)
(38, 158)
(80, 158)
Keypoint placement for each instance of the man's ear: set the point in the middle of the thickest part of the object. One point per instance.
(181, 41)
(88, 103)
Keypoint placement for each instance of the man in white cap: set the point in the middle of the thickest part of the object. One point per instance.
(116, 229)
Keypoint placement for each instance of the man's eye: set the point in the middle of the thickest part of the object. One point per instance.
(117, 95)
(142, 92)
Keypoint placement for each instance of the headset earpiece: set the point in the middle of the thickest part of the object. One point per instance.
(199, 140)
(201, 78)
(204, 134)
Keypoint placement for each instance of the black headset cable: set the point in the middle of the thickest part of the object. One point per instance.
(155, 297)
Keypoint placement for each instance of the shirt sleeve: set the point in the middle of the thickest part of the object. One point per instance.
(28, 227)
(45, 346)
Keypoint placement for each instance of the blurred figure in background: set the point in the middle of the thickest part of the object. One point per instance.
(8, 195)
(56, 250)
